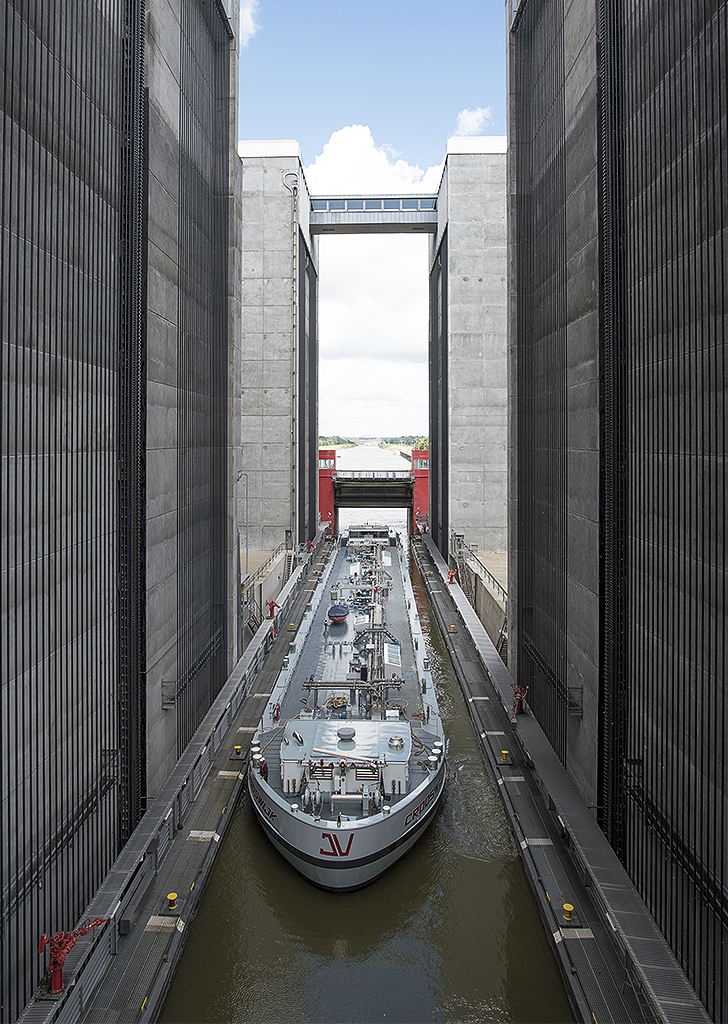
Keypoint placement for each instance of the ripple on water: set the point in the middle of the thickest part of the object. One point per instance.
(442, 937)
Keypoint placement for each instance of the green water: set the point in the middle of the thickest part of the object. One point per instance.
(451, 933)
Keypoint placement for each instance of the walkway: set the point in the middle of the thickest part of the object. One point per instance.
(614, 961)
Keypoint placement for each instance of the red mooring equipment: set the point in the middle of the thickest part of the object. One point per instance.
(519, 695)
(60, 945)
(271, 608)
(451, 574)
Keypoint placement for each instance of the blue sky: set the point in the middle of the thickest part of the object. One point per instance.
(372, 92)
(403, 69)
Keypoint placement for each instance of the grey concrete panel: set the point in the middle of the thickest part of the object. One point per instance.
(252, 264)
(252, 401)
(162, 605)
(161, 349)
(583, 281)
(252, 293)
(161, 415)
(161, 481)
(163, 226)
(581, 139)
(583, 483)
(583, 551)
(465, 318)
(277, 347)
(582, 350)
(252, 323)
(276, 321)
(580, 23)
(278, 263)
(162, 535)
(251, 372)
(277, 291)
(582, 220)
(277, 373)
(162, 283)
(276, 429)
(164, 89)
(583, 415)
(580, 80)
(583, 618)
(251, 430)
(254, 210)
(252, 341)
(276, 456)
(254, 179)
(277, 402)
(277, 236)
(162, 29)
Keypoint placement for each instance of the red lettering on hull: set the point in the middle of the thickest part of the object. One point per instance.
(335, 847)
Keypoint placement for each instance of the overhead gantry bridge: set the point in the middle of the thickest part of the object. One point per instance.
(373, 488)
(337, 215)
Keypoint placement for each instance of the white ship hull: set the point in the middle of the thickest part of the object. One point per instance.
(348, 763)
(355, 853)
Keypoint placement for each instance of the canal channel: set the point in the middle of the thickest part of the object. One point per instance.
(451, 933)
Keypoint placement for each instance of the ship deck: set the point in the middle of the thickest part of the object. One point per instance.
(328, 655)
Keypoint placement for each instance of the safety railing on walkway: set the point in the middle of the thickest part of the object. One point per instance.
(458, 545)
(262, 571)
(132, 873)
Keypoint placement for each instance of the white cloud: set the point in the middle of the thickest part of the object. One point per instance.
(373, 292)
(351, 163)
(472, 122)
(364, 397)
(373, 298)
(248, 25)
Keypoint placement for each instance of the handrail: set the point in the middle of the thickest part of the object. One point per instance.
(490, 579)
(373, 474)
(250, 580)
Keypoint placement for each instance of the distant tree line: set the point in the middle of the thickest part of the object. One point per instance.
(413, 441)
(334, 441)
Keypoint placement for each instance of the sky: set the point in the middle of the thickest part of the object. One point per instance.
(372, 92)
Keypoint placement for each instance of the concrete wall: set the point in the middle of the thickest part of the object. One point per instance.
(185, 491)
(563, 432)
(472, 207)
(272, 220)
(582, 387)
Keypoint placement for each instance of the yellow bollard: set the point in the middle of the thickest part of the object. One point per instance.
(452, 629)
(568, 908)
(293, 625)
(504, 756)
(238, 750)
(171, 901)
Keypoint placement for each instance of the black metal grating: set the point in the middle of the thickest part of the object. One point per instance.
(438, 385)
(63, 237)
(663, 174)
(307, 396)
(202, 345)
(668, 154)
(541, 346)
